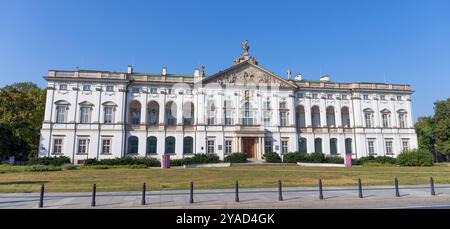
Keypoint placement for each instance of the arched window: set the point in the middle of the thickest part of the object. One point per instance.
(188, 113)
(153, 113)
(300, 114)
(333, 146)
(315, 116)
(302, 145)
(188, 145)
(133, 145)
(348, 146)
(345, 117)
(170, 145)
(135, 113)
(331, 121)
(171, 113)
(402, 115)
(151, 145)
(368, 117)
(318, 145)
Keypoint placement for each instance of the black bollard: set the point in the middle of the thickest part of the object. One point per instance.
(397, 192)
(41, 198)
(236, 199)
(144, 189)
(191, 199)
(320, 190)
(280, 191)
(360, 189)
(94, 192)
(433, 193)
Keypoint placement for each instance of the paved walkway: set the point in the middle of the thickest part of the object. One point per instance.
(342, 197)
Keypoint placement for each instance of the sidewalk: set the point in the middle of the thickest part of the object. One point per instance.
(343, 197)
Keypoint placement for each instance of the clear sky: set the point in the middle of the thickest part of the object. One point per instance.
(392, 41)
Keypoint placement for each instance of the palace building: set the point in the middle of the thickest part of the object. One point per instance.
(245, 108)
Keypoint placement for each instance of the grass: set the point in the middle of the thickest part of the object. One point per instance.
(19, 180)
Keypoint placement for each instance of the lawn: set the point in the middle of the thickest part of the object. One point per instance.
(81, 180)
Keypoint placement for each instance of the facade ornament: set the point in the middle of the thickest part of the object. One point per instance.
(245, 56)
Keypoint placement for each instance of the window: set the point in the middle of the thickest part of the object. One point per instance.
(318, 145)
(133, 145)
(188, 145)
(401, 120)
(135, 117)
(348, 146)
(284, 147)
(382, 97)
(329, 96)
(170, 91)
(266, 105)
(283, 105)
(302, 145)
(110, 88)
(188, 91)
(399, 98)
(366, 97)
(86, 87)
(210, 147)
(333, 146)
(228, 119)
(82, 146)
(106, 146)
(283, 121)
(135, 90)
(315, 116)
(153, 90)
(228, 146)
(368, 119)
(211, 117)
(266, 118)
(371, 147)
(84, 115)
(344, 97)
(170, 145)
(63, 87)
(108, 115)
(331, 120)
(345, 117)
(315, 96)
(300, 95)
(385, 120)
(389, 149)
(60, 114)
(405, 144)
(248, 115)
(268, 147)
(57, 146)
(151, 145)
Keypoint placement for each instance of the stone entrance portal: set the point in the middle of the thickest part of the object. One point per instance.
(249, 147)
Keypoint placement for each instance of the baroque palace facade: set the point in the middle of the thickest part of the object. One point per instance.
(245, 108)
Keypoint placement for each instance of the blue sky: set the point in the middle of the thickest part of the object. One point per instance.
(403, 41)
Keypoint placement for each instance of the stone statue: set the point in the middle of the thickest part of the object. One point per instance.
(289, 74)
(203, 72)
(245, 48)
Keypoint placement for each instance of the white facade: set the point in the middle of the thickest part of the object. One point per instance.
(93, 114)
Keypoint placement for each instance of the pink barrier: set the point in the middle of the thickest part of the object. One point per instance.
(348, 160)
(165, 161)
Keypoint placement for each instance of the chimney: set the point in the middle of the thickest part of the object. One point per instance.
(196, 72)
(325, 78)
(130, 69)
(164, 71)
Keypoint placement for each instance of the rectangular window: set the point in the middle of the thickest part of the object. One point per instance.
(57, 146)
(315, 96)
(389, 149)
(60, 114)
(135, 90)
(170, 91)
(399, 98)
(210, 147)
(329, 96)
(108, 115)
(401, 120)
(405, 144)
(266, 119)
(268, 147)
(368, 118)
(300, 95)
(153, 90)
(382, 97)
(84, 115)
(385, 119)
(284, 147)
(344, 97)
(211, 120)
(371, 147)
(106, 146)
(283, 105)
(228, 119)
(86, 87)
(228, 146)
(82, 146)
(283, 121)
(63, 87)
(110, 88)
(366, 97)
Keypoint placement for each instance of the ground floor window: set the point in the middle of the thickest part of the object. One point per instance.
(170, 145)
(151, 145)
(210, 147)
(228, 146)
(348, 146)
(106, 146)
(284, 146)
(371, 147)
(389, 149)
(318, 145)
(57, 146)
(82, 146)
(405, 144)
(268, 147)
(188, 145)
(133, 145)
(333, 146)
(302, 145)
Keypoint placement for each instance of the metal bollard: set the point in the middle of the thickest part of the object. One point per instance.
(280, 191)
(94, 192)
(144, 189)
(397, 192)
(41, 198)
(360, 188)
(191, 199)
(320, 189)
(433, 193)
(236, 199)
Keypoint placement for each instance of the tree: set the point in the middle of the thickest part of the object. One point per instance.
(22, 107)
(441, 130)
(424, 130)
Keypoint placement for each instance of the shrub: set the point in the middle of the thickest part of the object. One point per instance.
(334, 160)
(54, 161)
(44, 168)
(415, 158)
(147, 162)
(375, 164)
(236, 158)
(68, 167)
(295, 157)
(272, 157)
(317, 157)
(384, 160)
(196, 159)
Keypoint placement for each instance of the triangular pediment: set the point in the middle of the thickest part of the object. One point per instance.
(248, 73)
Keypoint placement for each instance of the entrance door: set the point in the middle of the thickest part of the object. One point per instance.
(249, 147)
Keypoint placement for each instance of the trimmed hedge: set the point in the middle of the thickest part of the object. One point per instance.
(148, 162)
(295, 157)
(196, 159)
(272, 157)
(53, 161)
(415, 158)
(384, 160)
(236, 158)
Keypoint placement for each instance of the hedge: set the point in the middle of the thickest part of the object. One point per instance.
(53, 161)
(384, 160)
(272, 157)
(196, 159)
(149, 162)
(236, 158)
(415, 158)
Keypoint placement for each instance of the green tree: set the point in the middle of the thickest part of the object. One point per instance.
(22, 107)
(441, 130)
(424, 130)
